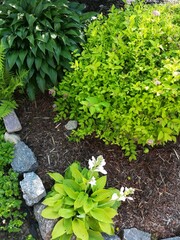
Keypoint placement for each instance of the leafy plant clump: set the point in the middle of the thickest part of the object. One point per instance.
(10, 200)
(125, 83)
(8, 84)
(40, 35)
(83, 206)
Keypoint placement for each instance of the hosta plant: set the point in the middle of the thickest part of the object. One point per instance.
(40, 35)
(81, 203)
(9, 82)
(125, 85)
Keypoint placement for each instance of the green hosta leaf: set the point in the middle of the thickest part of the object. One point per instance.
(72, 194)
(66, 54)
(68, 225)
(94, 235)
(69, 201)
(72, 184)
(38, 62)
(101, 194)
(10, 39)
(66, 213)
(49, 213)
(42, 46)
(89, 204)
(51, 200)
(57, 177)
(107, 228)
(79, 229)
(30, 19)
(31, 91)
(31, 39)
(30, 60)
(101, 215)
(81, 198)
(22, 56)
(59, 229)
(59, 188)
(41, 83)
(12, 58)
(100, 183)
(52, 75)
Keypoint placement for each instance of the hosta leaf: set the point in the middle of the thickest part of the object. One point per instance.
(52, 75)
(68, 225)
(12, 58)
(88, 205)
(49, 213)
(101, 215)
(10, 39)
(30, 19)
(66, 213)
(81, 198)
(94, 235)
(72, 194)
(38, 62)
(100, 183)
(72, 184)
(101, 194)
(31, 91)
(59, 229)
(59, 188)
(79, 229)
(30, 60)
(42, 46)
(66, 54)
(107, 228)
(50, 201)
(22, 55)
(41, 83)
(56, 176)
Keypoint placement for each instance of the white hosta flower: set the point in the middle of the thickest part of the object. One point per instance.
(92, 182)
(92, 163)
(123, 194)
(98, 164)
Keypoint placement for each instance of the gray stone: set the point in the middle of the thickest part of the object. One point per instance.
(45, 225)
(135, 234)
(32, 188)
(71, 125)
(12, 123)
(110, 237)
(10, 137)
(24, 159)
(173, 238)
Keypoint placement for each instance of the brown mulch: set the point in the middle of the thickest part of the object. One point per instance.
(155, 176)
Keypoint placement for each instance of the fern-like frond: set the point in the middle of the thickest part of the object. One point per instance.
(6, 107)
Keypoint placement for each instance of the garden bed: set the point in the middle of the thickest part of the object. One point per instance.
(155, 175)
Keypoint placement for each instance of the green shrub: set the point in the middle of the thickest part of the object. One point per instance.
(40, 35)
(11, 219)
(81, 203)
(125, 84)
(8, 84)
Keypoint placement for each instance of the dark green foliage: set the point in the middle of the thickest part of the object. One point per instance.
(40, 35)
(125, 86)
(11, 218)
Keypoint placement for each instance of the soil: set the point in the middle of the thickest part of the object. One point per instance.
(155, 176)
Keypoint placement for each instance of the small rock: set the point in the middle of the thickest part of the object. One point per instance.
(71, 125)
(24, 159)
(12, 123)
(10, 137)
(110, 237)
(135, 234)
(32, 188)
(45, 225)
